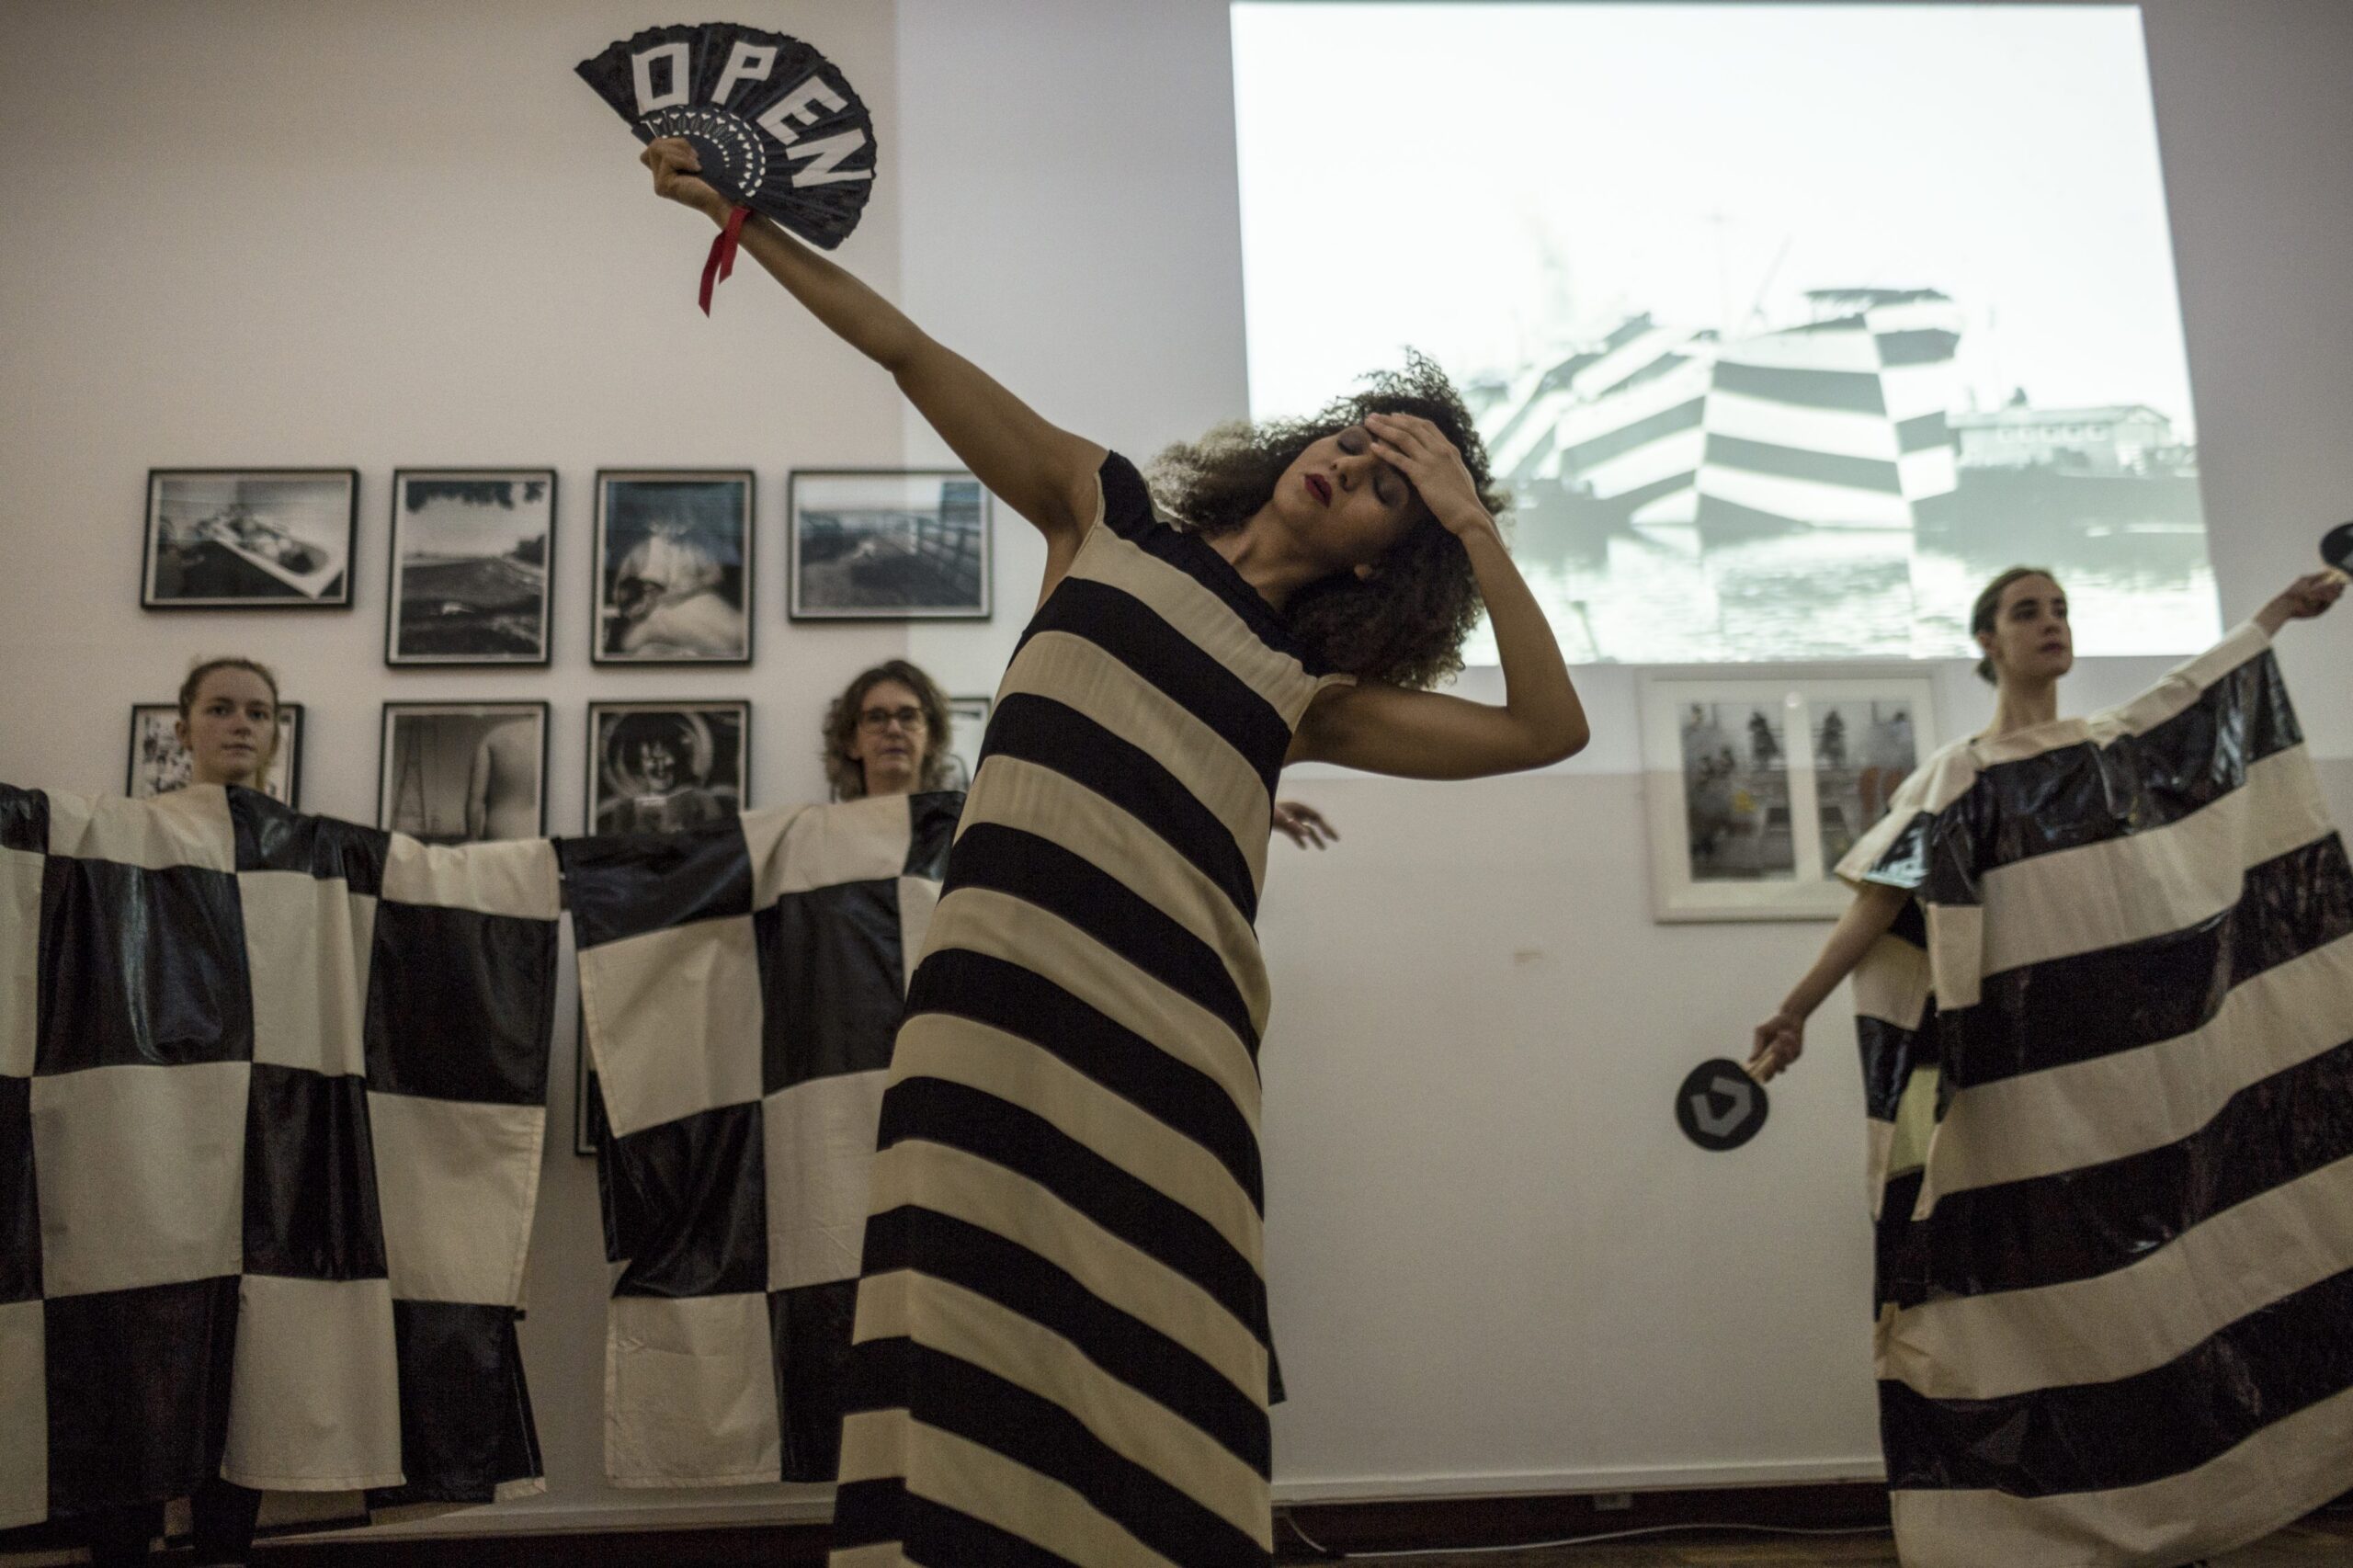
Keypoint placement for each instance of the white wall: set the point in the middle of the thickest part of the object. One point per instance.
(386, 234)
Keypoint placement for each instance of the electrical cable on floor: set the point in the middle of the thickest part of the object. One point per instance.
(1571, 1541)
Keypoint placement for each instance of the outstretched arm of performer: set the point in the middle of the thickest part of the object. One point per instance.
(1042, 471)
(2309, 595)
(1303, 824)
(1781, 1039)
(1424, 734)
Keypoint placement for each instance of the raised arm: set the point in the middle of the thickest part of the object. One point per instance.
(1042, 471)
(1423, 735)
(1781, 1039)
(2309, 595)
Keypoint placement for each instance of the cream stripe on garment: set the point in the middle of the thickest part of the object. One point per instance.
(2088, 1113)
(981, 920)
(982, 1483)
(2282, 1473)
(1031, 1356)
(1021, 795)
(965, 1186)
(1072, 671)
(186, 827)
(2158, 1308)
(960, 1051)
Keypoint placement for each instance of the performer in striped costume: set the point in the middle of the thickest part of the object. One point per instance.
(1062, 1353)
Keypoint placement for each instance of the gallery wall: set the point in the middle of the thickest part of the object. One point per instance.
(401, 235)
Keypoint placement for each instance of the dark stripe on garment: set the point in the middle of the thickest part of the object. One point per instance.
(480, 1030)
(309, 1178)
(2083, 793)
(137, 1385)
(466, 1426)
(1040, 871)
(139, 967)
(686, 1205)
(1132, 632)
(952, 1394)
(1028, 1005)
(931, 830)
(1634, 438)
(274, 838)
(1856, 391)
(978, 1123)
(19, 1193)
(1896, 1251)
(622, 885)
(1925, 433)
(2269, 1365)
(2116, 999)
(2081, 1223)
(1917, 345)
(1134, 1352)
(1874, 474)
(1890, 1055)
(868, 1513)
(24, 820)
(1052, 735)
(1905, 862)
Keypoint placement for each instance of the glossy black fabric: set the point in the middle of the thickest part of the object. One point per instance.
(24, 820)
(869, 1511)
(2095, 1436)
(1905, 862)
(1890, 1055)
(311, 1208)
(19, 1195)
(831, 962)
(2121, 998)
(809, 1331)
(139, 967)
(625, 885)
(138, 1391)
(931, 832)
(272, 837)
(465, 1415)
(446, 1018)
(687, 1205)
(2097, 1219)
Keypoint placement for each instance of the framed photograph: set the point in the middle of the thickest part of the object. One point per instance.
(249, 538)
(896, 544)
(674, 567)
(1758, 784)
(661, 767)
(970, 715)
(159, 764)
(465, 772)
(472, 553)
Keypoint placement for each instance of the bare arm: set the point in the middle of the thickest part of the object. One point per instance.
(1042, 471)
(2307, 597)
(1422, 735)
(1781, 1038)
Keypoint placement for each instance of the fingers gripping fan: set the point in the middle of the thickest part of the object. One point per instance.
(775, 125)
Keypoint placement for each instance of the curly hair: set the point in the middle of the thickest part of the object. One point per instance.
(1405, 626)
(844, 771)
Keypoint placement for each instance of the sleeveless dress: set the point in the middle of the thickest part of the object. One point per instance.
(1060, 1352)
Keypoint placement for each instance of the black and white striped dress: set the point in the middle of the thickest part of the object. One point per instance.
(1062, 1346)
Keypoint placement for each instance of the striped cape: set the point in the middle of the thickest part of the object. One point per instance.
(272, 1099)
(2107, 1053)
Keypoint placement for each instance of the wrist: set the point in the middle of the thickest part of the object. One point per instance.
(1471, 526)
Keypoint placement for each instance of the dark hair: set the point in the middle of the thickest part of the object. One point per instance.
(1989, 604)
(843, 771)
(1406, 624)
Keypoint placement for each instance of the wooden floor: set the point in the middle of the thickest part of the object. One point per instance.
(2308, 1545)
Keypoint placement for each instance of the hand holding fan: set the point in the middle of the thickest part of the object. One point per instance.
(777, 127)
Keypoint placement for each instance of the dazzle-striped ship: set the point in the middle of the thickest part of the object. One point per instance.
(1839, 422)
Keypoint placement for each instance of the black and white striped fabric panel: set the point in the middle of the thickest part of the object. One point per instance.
(271, 1105)
(2115, 1307)
(741, 985)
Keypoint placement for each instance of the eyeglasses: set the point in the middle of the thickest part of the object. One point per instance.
(879, 718)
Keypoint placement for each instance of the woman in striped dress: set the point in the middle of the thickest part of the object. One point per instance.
(1062, 1353)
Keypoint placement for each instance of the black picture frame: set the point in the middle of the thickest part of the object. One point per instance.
(434, 777)
(698, 596)
(918, 571)
(249, 538)
(476, 597)
(605, 792)
(148, 718)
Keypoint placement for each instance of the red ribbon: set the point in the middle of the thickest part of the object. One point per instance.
(721, 259)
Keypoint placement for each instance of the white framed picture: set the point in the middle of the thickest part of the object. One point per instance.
(1757, 783)
(887, 544)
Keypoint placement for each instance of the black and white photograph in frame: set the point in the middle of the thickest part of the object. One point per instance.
(663, 767)
(1758, 783)
(471, 557)
(249, 538)
(674, 567)
(159, 764)
(871, 544)
(463, 772)
(969, 719)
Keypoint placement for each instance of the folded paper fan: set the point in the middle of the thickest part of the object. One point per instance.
(775, 123)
